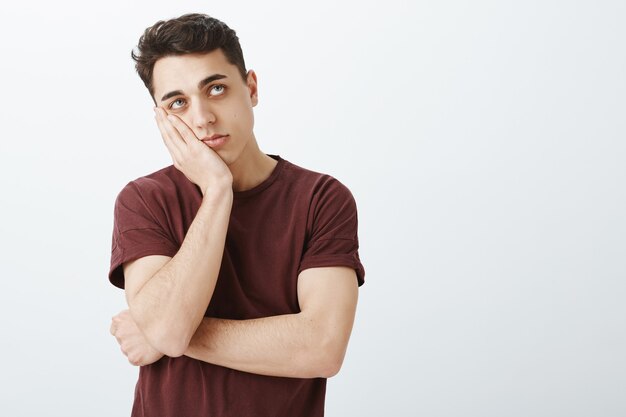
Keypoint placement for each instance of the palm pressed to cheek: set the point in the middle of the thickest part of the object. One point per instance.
(167, 114)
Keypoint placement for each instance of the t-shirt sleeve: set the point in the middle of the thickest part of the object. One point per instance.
(333, 235)
(137, 231)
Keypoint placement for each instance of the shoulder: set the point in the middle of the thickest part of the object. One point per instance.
(156, 186)
(155, 198)
(316, 183)
(157, 180)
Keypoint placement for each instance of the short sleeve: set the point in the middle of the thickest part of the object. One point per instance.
(137, 231)
(333, 230)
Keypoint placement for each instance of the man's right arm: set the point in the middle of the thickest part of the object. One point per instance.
(168, 298)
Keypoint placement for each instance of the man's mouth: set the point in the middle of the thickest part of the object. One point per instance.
(215, 140)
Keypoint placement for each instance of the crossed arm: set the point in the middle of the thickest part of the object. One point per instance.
(308, 344)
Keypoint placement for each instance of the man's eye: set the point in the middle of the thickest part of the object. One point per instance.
(177, 103)
(217, 90)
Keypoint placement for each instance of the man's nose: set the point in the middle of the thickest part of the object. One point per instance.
(202, 114)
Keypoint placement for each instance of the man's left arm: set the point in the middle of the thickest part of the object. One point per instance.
(308, 344)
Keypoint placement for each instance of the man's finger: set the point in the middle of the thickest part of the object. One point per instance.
(115, 321)
(171, 137)
(185, 132)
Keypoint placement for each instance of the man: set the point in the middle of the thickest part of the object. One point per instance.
(240, 269)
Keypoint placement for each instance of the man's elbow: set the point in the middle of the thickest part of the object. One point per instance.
(330, 369)
(171, 340)
(330, 355)
(172, 346)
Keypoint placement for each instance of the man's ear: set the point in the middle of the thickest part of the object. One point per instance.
(252, 87)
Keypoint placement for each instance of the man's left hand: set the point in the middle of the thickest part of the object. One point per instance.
(132, 342)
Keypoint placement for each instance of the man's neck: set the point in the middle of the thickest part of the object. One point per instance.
(252, 171)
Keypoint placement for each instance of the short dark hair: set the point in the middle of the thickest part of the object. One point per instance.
(187, 34)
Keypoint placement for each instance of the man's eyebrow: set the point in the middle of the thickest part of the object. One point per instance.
(201, 84)
(210, 79)
(171, 94)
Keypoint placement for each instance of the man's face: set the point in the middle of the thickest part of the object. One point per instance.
(209, 95)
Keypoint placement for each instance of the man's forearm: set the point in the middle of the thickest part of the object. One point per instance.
(308, 344)
(290, 345)
(169, 306)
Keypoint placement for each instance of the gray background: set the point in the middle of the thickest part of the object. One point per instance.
(482, 140)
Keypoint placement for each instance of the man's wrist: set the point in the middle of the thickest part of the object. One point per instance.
(219, 188)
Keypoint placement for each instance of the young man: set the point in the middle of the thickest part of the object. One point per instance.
(240, 269)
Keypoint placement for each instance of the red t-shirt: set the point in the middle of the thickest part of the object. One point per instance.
(294, 220)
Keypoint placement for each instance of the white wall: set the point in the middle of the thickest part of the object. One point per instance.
(483, 142)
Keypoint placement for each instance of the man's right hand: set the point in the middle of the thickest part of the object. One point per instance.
(200, 164)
